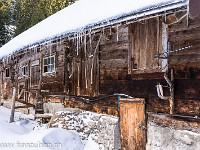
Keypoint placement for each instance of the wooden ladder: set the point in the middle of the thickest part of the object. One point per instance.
(24, 100)
(14, 99)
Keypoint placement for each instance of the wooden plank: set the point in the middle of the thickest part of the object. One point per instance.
(114, 54)
(185, 35)
(24, 102)
(25, 106)
(182, 25)
(132, 124)
(114, 64)
(114, 46)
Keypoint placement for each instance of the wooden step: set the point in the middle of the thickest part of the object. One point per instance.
(24, 102)
(39, 110)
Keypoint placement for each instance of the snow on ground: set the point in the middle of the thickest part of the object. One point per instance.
(26, 133)
(77, 17)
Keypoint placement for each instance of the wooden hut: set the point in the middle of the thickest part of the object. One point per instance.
(128, 54)
(150, 52)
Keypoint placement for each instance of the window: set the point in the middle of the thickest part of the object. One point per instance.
(25, 70)
(7, 72)
(49, 64)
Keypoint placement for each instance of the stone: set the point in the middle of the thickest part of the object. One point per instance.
(100, 140)
(95, 118)
(186, 139)
(91, 123)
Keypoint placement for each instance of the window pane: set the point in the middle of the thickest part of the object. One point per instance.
(49, 68)
(45, 69)
(45, 61)
(26, 70)
(52, 60)
(7, 73)
(52, 68)
(22, 70)
(49, 61)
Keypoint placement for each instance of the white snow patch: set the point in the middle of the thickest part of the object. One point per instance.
(25, 134)
(70, 140)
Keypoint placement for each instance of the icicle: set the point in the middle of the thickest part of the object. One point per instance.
(50, 47)
(85, 44)
(92, 73)
(60, 40)
(165, 17)
(117, 33)
(4, 62)
(34, 49)
(81, 37)
(187, 15)
(86, 86)
(110, 30)
(103, 30)
(56, 44)
(90, 38)
(6, 59)
(77, 40)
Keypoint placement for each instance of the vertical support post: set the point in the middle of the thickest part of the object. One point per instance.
(158, 40)
(41, 71)
(13, 106)
(65, 70)
(2, 84)
(171, 100)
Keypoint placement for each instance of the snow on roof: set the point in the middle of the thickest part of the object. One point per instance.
(76, 18)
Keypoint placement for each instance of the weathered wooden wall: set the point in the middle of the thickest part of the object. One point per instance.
(186, 65)
(114, 62)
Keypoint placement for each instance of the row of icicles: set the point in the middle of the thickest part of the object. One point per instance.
(78, 38)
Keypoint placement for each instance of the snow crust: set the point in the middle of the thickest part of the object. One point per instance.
(75, 18)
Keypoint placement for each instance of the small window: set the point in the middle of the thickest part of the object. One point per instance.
(7, 72)
(49, 64)
(25, 70)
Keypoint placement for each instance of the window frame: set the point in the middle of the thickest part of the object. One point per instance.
(26, 69)
(47, 57)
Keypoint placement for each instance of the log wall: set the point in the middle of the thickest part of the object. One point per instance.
(113, 62)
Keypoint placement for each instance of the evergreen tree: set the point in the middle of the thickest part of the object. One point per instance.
(30, 12)
(6, 10)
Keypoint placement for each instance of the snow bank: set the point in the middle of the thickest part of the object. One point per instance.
(25, 134)
(75, 18)
(70, 140)
(101, 131)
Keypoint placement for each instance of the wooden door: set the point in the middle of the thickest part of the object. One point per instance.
(35, 73)
(132, 124)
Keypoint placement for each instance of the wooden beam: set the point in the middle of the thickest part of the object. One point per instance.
(171, 100)
(25, 106)
(24, 102)
(13, 106)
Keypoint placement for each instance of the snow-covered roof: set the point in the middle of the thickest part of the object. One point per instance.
(82, 15)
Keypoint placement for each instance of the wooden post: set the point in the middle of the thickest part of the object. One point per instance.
(41, 72)
(171, 84)
(13, 106)
(171, 100)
